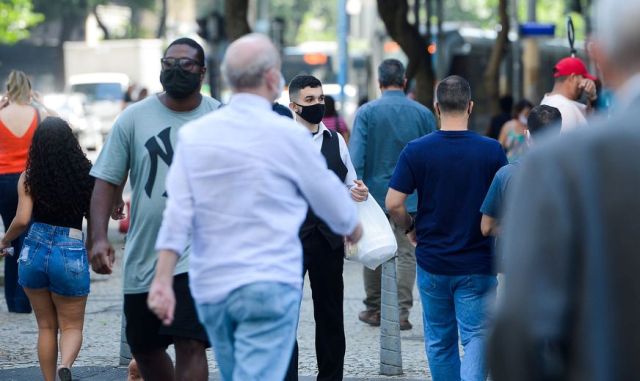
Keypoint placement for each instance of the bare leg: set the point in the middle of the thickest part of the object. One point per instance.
(191, 360)
(71, 320)
(46, 317)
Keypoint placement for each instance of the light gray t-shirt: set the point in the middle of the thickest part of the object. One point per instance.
(142, 142)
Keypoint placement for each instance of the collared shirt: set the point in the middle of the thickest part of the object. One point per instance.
(241, 182)
(319, 137)
(381, 130)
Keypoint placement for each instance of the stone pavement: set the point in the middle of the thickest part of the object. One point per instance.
(98, 358)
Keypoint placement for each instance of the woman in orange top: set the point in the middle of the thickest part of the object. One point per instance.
(18, 121)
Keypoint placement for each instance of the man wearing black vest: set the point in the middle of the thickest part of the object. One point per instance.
(323, 249)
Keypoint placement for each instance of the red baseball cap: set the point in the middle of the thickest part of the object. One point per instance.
(571, 65)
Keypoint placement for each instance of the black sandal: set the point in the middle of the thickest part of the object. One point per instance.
(64, 374)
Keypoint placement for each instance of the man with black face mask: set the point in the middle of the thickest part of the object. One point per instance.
(141, 145)
(323, 249)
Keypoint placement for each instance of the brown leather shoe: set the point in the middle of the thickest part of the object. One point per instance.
(405, 325)
(370, 317)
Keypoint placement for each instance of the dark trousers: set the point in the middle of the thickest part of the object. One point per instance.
(324, 265)
(17, 300)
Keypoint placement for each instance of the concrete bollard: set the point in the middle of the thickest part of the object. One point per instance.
(390, 346)
(125, 351)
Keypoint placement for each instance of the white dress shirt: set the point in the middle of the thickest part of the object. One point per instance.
(240, 183)
(318, 138)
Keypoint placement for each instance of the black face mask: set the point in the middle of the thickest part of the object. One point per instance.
(312, 114)
(179, 83)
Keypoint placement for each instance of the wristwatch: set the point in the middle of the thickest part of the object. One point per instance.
(411, 227)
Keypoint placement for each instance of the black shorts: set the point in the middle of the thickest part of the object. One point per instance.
(145, 332)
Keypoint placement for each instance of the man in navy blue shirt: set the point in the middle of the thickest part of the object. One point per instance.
(451, 169)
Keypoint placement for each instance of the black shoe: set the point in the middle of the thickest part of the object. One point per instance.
(405, 325)
(370, 317)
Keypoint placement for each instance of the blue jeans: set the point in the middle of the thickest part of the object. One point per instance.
(17, 300)
(54, 259)
(253, 330)
(451, 304)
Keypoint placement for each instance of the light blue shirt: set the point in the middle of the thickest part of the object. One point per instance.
(241, 181)
(381, 130)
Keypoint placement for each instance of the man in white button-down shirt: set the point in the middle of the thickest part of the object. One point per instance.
(323, 251)
(240, 185)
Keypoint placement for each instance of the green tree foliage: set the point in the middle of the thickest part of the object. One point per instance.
(306, 20)
(75, 12)
(319, 22)
(293, 12)
(16, 17)
(484, 14)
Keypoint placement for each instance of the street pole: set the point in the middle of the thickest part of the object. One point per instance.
(390, 343)
(531, 11)
(125, 351)
(440, 69)
(342, 49)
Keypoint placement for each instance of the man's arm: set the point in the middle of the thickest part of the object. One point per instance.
(359, 191)
(402, 184)
(102, 253)
(161, 299)
(117, 211)
(394, 203)
(110, 172)
(489, 226)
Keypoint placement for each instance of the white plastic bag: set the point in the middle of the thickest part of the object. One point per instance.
(378, 243)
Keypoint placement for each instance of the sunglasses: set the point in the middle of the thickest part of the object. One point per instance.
(184, 63)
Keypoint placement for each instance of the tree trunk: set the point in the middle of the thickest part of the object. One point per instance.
(236, 24)
(162, 26)
(70, 25)
(134, 25)
(394, 16)
(103, 27)
(497, 54)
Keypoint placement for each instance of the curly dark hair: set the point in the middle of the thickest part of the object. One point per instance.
(57, 173)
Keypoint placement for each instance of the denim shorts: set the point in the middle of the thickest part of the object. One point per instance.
(55, 258)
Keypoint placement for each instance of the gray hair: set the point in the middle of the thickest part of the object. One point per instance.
(245, 70)
(617, 27)
(391, 73)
